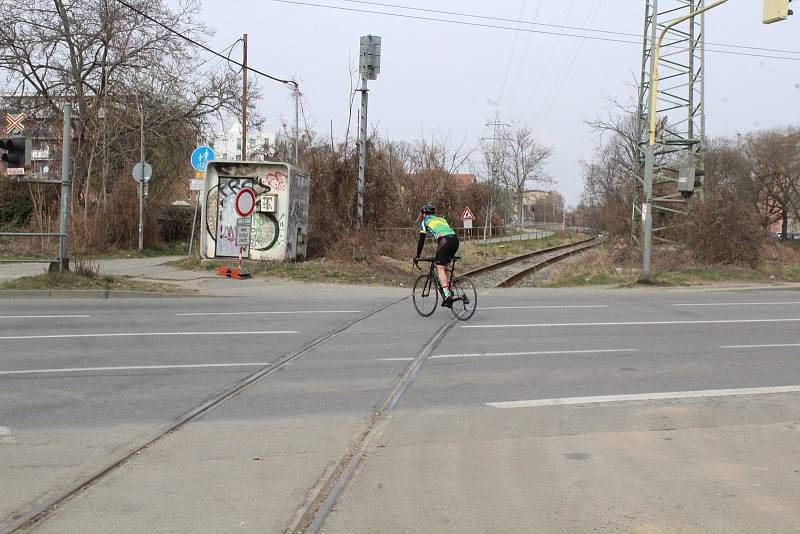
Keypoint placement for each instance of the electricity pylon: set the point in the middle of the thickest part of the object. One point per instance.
(680, 137)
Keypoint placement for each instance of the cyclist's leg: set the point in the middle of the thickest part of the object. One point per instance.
(448, 246)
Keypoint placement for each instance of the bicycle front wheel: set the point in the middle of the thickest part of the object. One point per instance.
(425, 295)
(465, 298)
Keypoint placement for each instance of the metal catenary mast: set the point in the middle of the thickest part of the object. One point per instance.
(680, 145)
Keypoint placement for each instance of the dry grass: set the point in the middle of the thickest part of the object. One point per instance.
(379, 259)
(617, 263)
(74, 280)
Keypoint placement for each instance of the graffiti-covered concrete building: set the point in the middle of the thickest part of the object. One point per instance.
(277, 227)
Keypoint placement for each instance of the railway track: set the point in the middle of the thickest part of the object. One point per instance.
(508, 272)
(311, 518)
(39, 510)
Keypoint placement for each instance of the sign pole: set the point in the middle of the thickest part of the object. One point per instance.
(63, 255)
(194, 223)
(141, 182)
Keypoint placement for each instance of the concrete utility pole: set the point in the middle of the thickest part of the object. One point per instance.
(649, 156)
(244, 98)
(142, 181)
(63, 253)
(362, 151)
(369, 66)
(296, 123)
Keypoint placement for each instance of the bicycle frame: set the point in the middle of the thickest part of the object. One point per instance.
(435, 276)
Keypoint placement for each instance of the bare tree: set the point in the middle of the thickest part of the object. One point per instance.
(108, 60)
(607, 186)
(775, 158)
(523, 163)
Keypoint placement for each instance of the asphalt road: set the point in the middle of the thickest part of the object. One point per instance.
(550, 411)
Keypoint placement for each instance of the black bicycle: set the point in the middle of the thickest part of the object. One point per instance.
(427, 290)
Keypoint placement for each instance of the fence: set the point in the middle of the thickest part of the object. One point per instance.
(494, 234)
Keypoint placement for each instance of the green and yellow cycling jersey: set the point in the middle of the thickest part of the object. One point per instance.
(436, 227)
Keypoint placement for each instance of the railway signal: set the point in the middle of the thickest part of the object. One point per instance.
(18, 151)
(776, 11)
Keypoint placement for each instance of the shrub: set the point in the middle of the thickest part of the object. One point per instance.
(725, 230)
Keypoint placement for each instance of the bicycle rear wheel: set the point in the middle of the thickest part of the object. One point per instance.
(465, 298)
(425, 295)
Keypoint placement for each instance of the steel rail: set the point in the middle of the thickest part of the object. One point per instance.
(514, 278)
(313, 519)
(508, 261)
(41, 509)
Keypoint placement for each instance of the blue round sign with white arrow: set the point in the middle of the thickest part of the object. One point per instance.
(201, 156)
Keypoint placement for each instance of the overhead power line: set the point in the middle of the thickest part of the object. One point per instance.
(535, 23)
(204, 47)
(544, 32)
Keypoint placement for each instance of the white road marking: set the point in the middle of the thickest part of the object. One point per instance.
(646, 397)
(760, 346)
(496, 354)
(266, 312)
(540, 307)
(143, 334)
(5, 436)
(637, 323)
(132, 368)
(44, 316)
(739, 304)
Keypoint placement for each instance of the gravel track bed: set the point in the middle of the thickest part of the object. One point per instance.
(492, 278)
(543, 275)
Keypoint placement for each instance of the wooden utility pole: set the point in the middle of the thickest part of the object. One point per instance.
(244, 99)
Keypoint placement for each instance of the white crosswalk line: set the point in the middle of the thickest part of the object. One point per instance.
(645, 397)
(6, 437)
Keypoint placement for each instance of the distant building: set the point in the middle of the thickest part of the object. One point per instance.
(463, 181)
(541, 206)
(228, 145)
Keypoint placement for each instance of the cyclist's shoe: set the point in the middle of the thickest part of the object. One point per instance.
(448, 301)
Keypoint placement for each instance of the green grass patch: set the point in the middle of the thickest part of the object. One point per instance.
(170, 249)
(36, 257)
(689, 277)
(681, 278)
(596, 279)
(72, 280)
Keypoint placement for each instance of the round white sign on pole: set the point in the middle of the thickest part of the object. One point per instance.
(245, 202)
(141, 171)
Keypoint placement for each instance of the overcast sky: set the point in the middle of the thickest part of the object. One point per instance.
(444, 78)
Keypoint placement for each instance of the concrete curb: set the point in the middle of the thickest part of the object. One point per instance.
(88, 294)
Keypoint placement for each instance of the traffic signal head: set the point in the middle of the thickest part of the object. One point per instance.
(18, 151)
(775, 11)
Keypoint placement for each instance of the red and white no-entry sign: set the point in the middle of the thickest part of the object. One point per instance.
(245, 202)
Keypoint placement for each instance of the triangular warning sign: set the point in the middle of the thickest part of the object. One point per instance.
(467, 215)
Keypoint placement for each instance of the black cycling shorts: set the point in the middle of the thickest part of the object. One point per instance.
(448, 246)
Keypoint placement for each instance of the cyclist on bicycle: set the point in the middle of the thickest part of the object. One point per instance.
(447, 240)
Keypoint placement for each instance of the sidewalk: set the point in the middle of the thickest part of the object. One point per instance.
(206, 283)
(535, 234)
